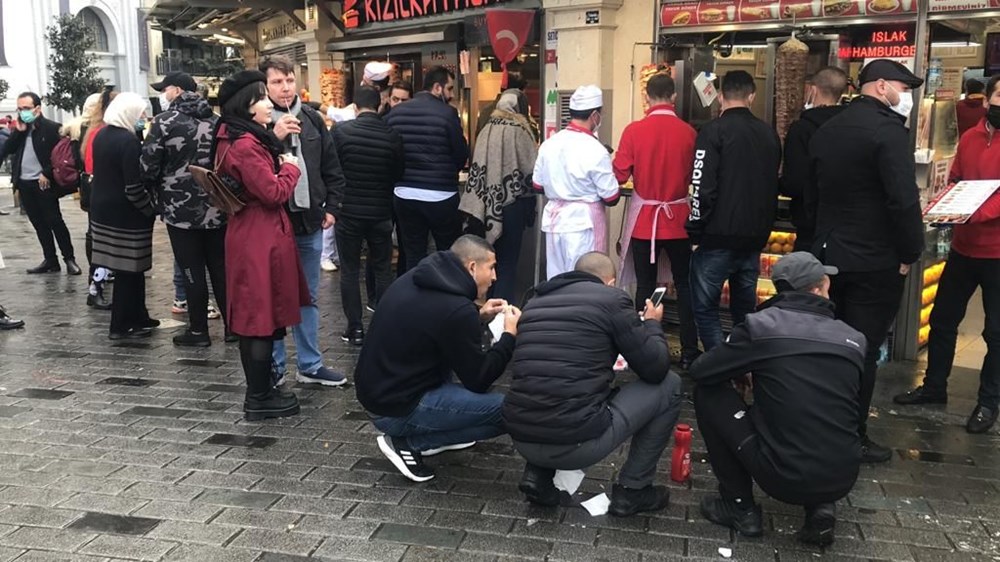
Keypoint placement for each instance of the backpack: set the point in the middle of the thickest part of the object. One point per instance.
(65, 168)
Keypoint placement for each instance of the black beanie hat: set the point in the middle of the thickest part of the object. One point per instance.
(237, 82)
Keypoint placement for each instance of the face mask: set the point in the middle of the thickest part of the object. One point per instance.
(140, 125)
(993, 116)
(905, 104)
(26, 116)
(164, 102)
(807, 107)
(597, 127)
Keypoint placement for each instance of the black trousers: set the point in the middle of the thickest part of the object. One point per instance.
(679, 254)
(868, 302)
(400, 263)
(417, 219)
(516, 217)
(351, 233)
(128, 306)
(737, 454)
(195, 250)
(42, 207)
(958, 283)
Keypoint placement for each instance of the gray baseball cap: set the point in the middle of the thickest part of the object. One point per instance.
(800, 270)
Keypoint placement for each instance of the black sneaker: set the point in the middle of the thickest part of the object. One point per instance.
(353, 337)
(819, 525)
(536, 485)
(747, 521)
(272, 404)
(981, 420)
(192, 339)
(872, 452)
(410, 463)
(98, 301)
(132, 334)
(921, 395)
(629, 501)
(152, 323)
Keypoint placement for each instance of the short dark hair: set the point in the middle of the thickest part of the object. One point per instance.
(35, 99)
(991, 86)
(830, 80)
(367, 97)
(402, 85)
(738, 85)
(239, 104)
(281, 63)
(974, 86)
(660, 86)
(437, 75)
(583, 114)
(470, 247)
(515, 76)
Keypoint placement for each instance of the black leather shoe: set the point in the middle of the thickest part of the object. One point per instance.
(46, 267)
(152, 323)
(872, 452)
(231, 337)
(271, 404)
(353, 337)
(72, 268)
(192, 339)
(536, 484)
(8, 323)
(629, 501)
(981, 420)
(921, 395)
(819, 525)
(131, 334)
(98, 301)
(747, 521)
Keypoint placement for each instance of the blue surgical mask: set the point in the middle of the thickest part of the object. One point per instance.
(26, 116)
(140, 125)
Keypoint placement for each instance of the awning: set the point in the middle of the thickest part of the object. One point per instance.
(424, 34)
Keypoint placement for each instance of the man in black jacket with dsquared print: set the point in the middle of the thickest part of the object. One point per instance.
(799, 441)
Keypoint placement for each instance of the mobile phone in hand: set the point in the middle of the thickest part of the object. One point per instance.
(657, 296)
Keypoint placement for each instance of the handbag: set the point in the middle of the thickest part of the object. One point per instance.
(223, 191)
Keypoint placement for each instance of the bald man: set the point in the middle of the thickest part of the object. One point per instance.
(561, 410)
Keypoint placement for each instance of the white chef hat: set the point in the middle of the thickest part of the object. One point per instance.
(377, 70)
(586, 97)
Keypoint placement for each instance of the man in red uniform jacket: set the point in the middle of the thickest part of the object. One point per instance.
(657, 152)
(972, 109)
(974, 262)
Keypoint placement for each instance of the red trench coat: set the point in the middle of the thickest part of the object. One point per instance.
(265, 286)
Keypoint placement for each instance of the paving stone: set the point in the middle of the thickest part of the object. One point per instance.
(217, 480)
(248, 441)
(472, 522)
(41, 394)
(105, 486)
(419, 535)
(38, 516)
(115, 524)
(276, 541)
(155, 411)
(555, 532)
(155, 490)
(340, 548)
(199, 553)
(395, 514)
(237, 498)
(923, 537)
(332, 526)
(46, 539)
(198, 513)
(104, 504)
(532, 549)
(316, 506)
(47, 556)
(34, 496)
(186, 532)
(293, 487)
(128, 547)
(640, 541)
(564, 552)
(239, 517)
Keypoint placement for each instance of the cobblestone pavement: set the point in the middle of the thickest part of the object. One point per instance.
(139, 451)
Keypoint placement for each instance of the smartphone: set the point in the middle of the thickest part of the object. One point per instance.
(657, 295)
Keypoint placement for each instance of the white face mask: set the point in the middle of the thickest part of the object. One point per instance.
(597, 127)
(905, 104)
(164, 102)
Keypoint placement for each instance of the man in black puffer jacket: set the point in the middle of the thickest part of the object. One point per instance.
(561, 410)
(371, 155)
(427, 195)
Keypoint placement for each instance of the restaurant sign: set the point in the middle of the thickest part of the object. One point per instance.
(360, 12)
(680, 13)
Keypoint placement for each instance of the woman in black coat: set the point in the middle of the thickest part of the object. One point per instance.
(121, 215)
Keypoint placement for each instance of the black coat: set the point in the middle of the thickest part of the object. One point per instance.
(326, 179)
(371, 154)
(568, 339)
(735, 183)
(796, 174)
(864, 194)
(806, 370)
(44, 136)
(425, 331)
(435, 146)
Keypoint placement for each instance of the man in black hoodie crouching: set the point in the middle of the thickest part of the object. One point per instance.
(426, 331)
(800, 441)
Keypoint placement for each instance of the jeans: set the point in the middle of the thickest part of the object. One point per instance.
(180, 292)
(679, 254)
(958, 283)
(194, 251)
(306, 333)
(736, 453)
(710, 268)
(447, 415)
(418, 218)
(516, 218)
(128, 305)
(42, 207)
(868, 301)
(644, 411)
(330, 246)
(350, 235)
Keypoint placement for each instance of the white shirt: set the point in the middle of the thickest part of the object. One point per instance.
(341, 114)
(424, 195)
(575, 170)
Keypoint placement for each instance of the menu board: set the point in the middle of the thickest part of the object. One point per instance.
(958, 5)
(957, 204)
(715, 12)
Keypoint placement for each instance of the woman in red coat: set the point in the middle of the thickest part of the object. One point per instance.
(264, 280)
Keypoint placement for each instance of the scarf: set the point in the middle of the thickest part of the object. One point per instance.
(300, 200)
(501, 170)
(236, 127)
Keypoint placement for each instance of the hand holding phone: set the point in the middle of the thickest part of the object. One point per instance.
(657, 295)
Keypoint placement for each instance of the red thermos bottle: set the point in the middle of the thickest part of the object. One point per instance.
(680, 463)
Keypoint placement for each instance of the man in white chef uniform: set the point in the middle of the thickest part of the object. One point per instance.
(574, 169)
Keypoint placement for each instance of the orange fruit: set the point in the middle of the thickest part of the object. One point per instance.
(776, 248)
(787, 248)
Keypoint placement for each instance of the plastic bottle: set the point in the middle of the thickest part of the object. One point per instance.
(680, 463)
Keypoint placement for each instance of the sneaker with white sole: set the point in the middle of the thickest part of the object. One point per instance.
(328, 265)
(323, 376)
(179, 307)
(444, 448)
(410, 463)
(213, 312)
(277, 377)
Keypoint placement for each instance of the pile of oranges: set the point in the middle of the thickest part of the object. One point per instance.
(780, 243)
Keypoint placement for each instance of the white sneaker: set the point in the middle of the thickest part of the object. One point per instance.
(328, 265)
(213, 312)
(443, 448)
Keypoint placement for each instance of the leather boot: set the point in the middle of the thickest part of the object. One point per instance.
(536, 484)
(46, 267)
(263, 400)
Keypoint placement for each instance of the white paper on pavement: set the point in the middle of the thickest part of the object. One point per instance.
(597, 505)
(568, 480)
(2, 264)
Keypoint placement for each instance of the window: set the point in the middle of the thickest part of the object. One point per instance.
(96, 27)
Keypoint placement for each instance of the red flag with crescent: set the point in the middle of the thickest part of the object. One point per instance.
(508, 31)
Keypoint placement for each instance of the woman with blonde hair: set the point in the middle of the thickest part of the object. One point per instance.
(121, 215)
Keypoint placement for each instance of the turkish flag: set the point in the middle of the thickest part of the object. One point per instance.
(508, 31)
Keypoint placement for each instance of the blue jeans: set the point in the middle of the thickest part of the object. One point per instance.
(711, 268)
(306, 333)
(447, 415)
(180, 293)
